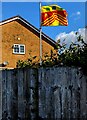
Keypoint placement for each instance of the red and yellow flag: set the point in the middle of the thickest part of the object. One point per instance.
(53, 15)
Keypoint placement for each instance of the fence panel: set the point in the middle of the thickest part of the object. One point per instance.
(52, 93)
(19, 94)
(62, 93)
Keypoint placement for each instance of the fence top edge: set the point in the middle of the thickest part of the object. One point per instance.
(48, 67)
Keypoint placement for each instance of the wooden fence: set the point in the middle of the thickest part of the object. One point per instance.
(19, 94)
(62, 93)
(53, 93)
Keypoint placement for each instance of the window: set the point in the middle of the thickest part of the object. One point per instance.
(18, 49)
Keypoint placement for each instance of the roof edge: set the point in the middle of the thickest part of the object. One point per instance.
(18, 17)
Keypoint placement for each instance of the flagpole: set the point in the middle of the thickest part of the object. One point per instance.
(40, 38)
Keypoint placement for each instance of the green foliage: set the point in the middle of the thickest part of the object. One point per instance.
(50, 60)
(30, 62)
(75, 55)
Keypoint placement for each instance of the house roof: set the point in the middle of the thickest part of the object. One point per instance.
(30, 27)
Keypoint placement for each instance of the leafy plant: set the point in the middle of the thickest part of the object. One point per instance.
(75, 55)
(30, 62)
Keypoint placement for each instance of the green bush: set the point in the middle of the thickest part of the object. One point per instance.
(75, 55)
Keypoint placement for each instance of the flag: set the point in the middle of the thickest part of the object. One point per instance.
(53, 15)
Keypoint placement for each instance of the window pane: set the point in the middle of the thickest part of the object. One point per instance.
(22, 49)
(16, 49)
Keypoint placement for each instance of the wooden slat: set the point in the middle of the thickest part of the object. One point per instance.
(0, 95)
(14, 96)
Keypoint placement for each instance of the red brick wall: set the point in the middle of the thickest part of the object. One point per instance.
(10, 32)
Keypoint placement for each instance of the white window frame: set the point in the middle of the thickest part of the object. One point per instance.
(19, 45)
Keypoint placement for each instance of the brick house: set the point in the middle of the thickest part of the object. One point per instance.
(18, 38)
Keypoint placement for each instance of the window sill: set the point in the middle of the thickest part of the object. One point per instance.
(19, 53)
